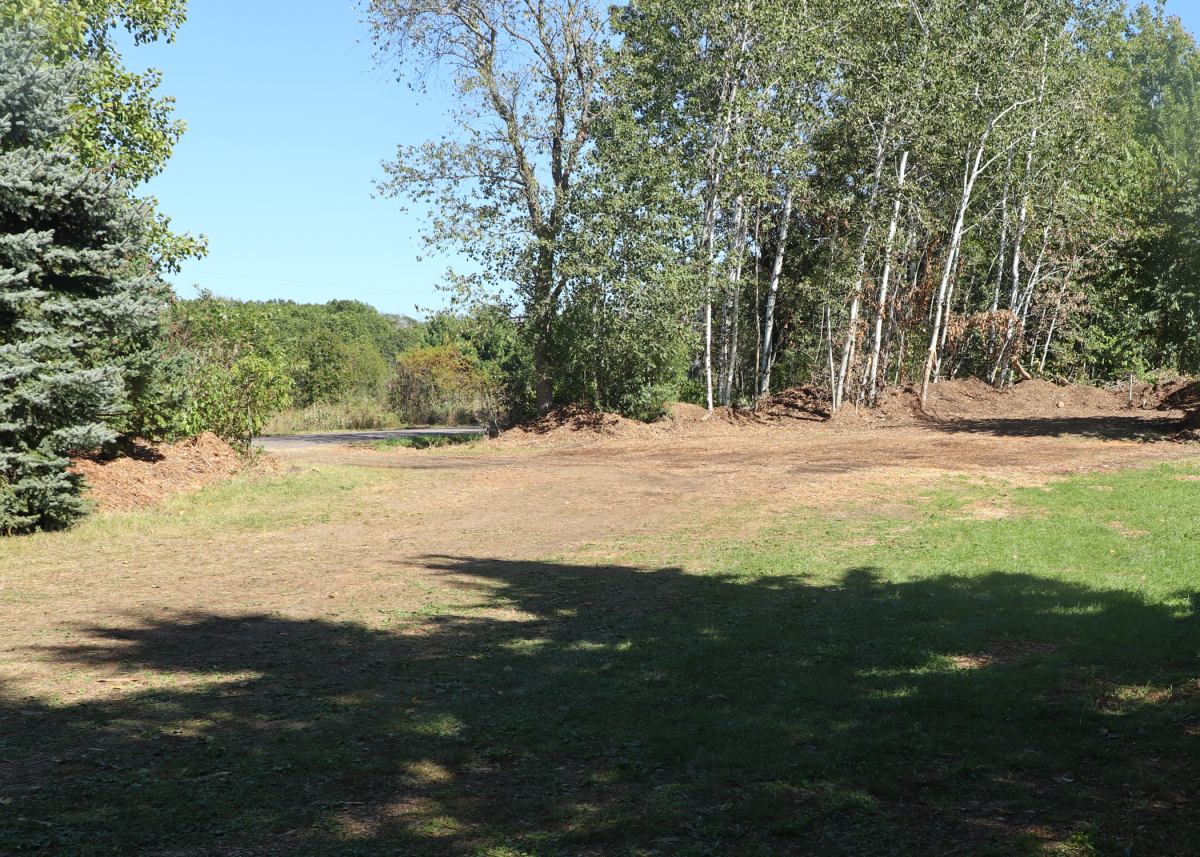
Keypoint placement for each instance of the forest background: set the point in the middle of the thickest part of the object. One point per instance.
(851, 198)
(665, 200)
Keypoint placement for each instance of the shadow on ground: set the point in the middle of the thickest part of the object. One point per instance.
(633, 712)
(1101, 428)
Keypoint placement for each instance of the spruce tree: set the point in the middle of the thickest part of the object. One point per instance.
(79, 303)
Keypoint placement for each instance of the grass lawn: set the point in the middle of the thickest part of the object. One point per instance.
(943, 681)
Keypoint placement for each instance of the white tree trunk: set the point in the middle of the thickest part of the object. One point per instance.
(877, 341)
(860, 269)
(772, 293)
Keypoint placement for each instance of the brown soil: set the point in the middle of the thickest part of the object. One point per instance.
(967, 404)
(583, 487)
(1189, 429)
(147, 473)
(573, 421)
(591, 498)
(972, 399)
(1186, 398)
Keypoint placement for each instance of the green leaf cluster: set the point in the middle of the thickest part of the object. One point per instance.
(121, 125)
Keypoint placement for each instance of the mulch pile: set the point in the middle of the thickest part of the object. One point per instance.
(1180, 396)
(567, 423)
(1186, 398)
(958, 400)
(810, 404)
(147, 473)
(973, 399)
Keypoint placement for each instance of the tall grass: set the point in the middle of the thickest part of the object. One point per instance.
(354, 414)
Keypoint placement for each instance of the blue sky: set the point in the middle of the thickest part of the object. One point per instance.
(287, 123)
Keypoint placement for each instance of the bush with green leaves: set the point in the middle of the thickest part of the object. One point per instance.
(439, 384)
(238, 372)
(80, 306)
(331, 369)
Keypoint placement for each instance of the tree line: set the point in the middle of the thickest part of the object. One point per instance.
(680, 198)
(243, 366)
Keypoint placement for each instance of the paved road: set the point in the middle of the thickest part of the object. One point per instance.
(295, 441)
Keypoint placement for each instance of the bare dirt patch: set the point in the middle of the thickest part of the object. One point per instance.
(561, 490)
(1005, 652)
(1027, 408)
(1127, 532)
(147, 473)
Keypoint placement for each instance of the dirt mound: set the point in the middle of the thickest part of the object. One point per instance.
(570, 424)
(1189, 429)
(804, 403)
(1177, 396)
(971, 398)
(963, 400)
(685, 412)
(147, 473)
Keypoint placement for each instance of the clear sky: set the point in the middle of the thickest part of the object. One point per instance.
(287, 123)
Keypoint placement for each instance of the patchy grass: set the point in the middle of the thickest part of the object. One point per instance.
(250, 502)
(426, 441)
(929, 683)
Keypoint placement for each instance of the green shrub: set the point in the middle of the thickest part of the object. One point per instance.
(238, 375)
(330, 369)
(79, 304)
(439, 384)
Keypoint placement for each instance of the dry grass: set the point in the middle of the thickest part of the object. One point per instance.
(364, 414)
(687, 648)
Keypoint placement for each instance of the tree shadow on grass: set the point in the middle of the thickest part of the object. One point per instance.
(624, 711)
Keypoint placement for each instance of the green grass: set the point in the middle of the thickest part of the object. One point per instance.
(426, 441)
(803, 692)
(250, 502)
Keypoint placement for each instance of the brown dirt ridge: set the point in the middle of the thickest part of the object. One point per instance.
(963, 400)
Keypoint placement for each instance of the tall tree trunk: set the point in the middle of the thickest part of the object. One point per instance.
(543, 380)
(829, 339)
(708, 373)
(860, 270)
(733, 346)
(757, 302)
(1020, 310)
(737, 248)
(730, 86)
(772, 295)
(1050, 333)
(877, 341)
(970, 174)
(1002, 254)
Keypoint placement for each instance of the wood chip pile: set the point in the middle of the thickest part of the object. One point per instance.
(962, 400)
(149, 472)
(563, 425)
